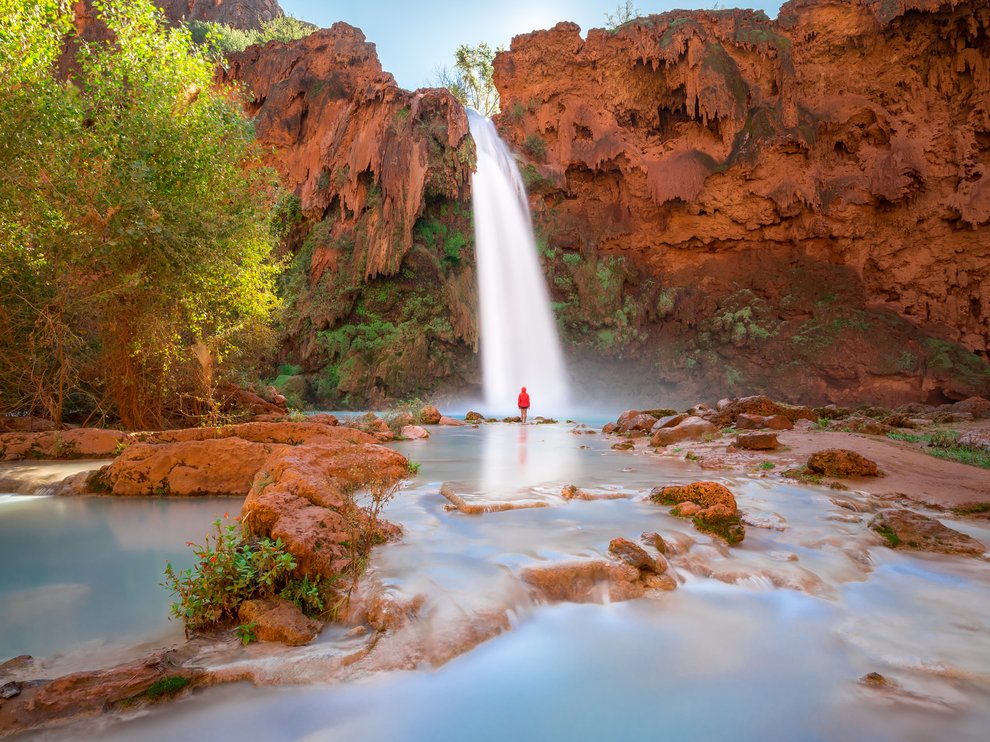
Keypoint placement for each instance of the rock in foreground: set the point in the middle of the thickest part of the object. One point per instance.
(840, 462)
(592, 581)
(691, 428)
(905, 529)
(711, 506)
(278, 621)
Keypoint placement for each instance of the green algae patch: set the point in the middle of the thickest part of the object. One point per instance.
(167, 687)
(711, 507)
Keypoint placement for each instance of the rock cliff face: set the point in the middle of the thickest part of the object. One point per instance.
(236, 13)
(800, 206)
(381, 289)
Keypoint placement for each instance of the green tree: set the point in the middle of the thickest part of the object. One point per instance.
(223, 40)
(623, 14)
(471, 80)
(134, 236)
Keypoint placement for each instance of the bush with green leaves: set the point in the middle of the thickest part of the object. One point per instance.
(135, 235)
(222, 40)
(472, 79)
(230, 569)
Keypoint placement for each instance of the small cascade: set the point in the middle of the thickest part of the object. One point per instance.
(519, 343)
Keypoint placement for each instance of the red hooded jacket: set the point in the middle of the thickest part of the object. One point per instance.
(523, 399)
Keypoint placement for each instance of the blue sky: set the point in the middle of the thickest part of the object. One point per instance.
(414, 38)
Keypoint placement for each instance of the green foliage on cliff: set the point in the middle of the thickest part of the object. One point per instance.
(222, 40)
(134, 221)
(536, 147)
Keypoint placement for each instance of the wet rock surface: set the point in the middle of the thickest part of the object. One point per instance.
(302, 495)
(278, 621)
(593, 581)
(414, 432)
(43, 703)
(636, 556)
(711, 505)
(905, 529)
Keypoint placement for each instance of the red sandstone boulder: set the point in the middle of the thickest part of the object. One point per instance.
(745, 421)
(430, 415)
(904, 529)
(978, 407)
(710, 504)
(624, 418)
(278, 621)
(757, 441)
(669, 421)
(223, 466)
(77, 443)
(586, 581)
(636, 556)
(638, 422)
(691, 428)
(451, 422)
(474, 417)
(840, 462)
(763, 407)
(374, 426)
(88, 692)
(414, 432)
(290, 433)
(779, 422)
(301, 495)
(860, 424)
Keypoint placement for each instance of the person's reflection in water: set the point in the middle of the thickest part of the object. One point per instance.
(523, 430)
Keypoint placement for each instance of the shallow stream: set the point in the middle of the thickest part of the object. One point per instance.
(767, 640)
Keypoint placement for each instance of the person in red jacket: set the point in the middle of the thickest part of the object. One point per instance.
(523, 404)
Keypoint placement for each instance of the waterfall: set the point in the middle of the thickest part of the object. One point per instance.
(519, 343)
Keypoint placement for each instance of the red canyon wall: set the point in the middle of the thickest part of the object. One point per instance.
(381, 291)
(800, 205)
(236, 13)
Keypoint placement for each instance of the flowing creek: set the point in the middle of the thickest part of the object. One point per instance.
(767, 640)
(79, 585)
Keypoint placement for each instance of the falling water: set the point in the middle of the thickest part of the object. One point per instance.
(519, 344)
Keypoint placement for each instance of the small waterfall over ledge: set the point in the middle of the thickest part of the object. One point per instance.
(519, 343)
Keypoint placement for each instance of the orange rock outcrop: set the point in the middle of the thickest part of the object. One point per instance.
(802, 202)
(362, 155)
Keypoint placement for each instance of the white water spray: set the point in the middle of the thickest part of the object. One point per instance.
(519, 344)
